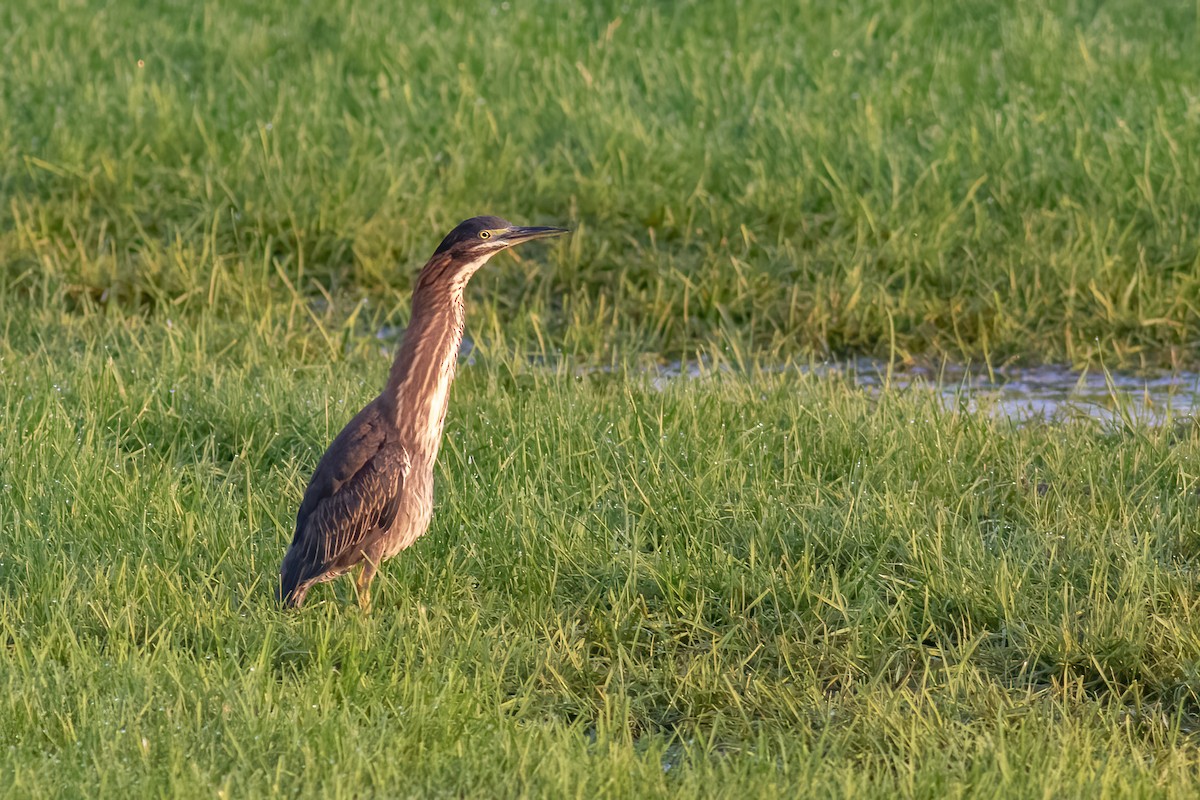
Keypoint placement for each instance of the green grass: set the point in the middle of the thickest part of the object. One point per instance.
(983, 180)
(769, 583)
(757, 583)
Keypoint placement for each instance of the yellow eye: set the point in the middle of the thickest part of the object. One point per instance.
(485, 234)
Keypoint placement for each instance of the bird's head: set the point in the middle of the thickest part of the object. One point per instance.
(474, 241)
(468, 247)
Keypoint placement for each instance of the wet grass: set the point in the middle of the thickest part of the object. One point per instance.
(987, 181)
(766, 584)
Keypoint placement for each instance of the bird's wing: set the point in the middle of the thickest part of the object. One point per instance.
(354, 491)
(340, 524)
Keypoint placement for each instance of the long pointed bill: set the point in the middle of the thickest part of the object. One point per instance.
(517, 235)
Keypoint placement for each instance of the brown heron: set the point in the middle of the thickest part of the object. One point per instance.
(371, 495)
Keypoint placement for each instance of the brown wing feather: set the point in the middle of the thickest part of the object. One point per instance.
(340, 524)
(354, 494)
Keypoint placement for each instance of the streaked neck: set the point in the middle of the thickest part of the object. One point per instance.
(418, 387)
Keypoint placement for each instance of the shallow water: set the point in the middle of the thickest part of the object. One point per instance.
(1019, 393)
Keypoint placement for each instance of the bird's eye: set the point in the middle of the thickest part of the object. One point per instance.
(485, 234)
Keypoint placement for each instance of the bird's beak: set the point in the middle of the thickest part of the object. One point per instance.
(516, 235)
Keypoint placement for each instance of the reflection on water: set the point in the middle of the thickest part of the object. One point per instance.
(1021, 393)
(1052, 392)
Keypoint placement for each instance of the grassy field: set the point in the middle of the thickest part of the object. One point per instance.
(766, 583)
(984, 180)
(755, 583)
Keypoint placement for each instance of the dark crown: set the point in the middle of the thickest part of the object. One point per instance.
(468, 230)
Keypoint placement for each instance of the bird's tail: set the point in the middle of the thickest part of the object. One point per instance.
(291, 590)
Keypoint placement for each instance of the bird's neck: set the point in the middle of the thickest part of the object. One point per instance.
(418, 387)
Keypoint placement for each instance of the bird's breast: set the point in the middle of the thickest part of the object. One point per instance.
(414, 514)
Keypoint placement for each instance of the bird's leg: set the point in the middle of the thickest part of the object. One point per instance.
(362, 586)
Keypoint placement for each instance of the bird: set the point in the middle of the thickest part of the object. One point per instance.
(371, 494)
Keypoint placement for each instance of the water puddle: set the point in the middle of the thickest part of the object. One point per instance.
(1055, 392)
(1019, 393)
